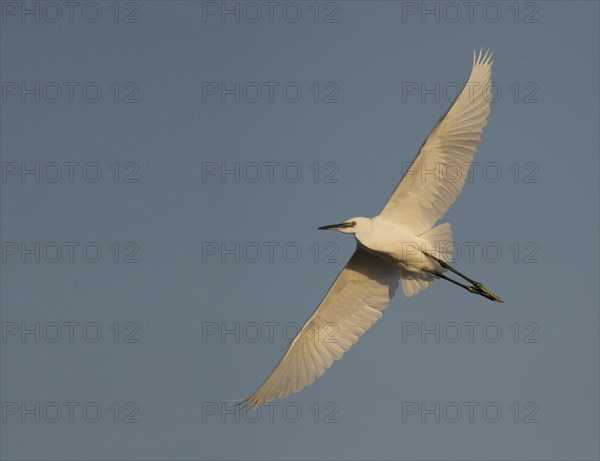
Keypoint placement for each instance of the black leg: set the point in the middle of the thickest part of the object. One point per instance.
(477, 287)
(447, 266)
(445, 277)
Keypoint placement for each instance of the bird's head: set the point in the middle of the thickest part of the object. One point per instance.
(351, 226)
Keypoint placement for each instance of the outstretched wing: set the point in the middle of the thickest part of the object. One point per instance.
(438, 172)
(352, 305)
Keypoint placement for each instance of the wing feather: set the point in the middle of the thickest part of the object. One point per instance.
(352, 305)
(439, 171)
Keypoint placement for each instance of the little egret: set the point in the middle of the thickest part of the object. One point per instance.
(401, 243)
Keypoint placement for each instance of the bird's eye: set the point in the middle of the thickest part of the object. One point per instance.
(353, 223)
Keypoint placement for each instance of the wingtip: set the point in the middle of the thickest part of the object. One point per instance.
(249, 403)
(483, 58)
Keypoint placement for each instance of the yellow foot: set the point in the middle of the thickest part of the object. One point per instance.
(479, 289)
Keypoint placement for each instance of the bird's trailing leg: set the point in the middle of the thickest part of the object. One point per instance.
(476, 287)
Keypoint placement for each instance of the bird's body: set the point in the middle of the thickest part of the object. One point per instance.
(397, 243)
(402, 243)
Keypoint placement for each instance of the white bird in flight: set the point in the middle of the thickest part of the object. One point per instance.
(401, 243)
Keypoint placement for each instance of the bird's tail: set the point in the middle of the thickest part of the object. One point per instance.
(439, 241)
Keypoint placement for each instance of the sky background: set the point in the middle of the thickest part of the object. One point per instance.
(160, 243)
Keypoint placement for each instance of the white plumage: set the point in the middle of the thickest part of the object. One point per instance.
(400, 243)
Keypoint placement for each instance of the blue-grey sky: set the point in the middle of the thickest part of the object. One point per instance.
(165, 166)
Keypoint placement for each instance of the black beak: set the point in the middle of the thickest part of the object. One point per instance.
(334, 226)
